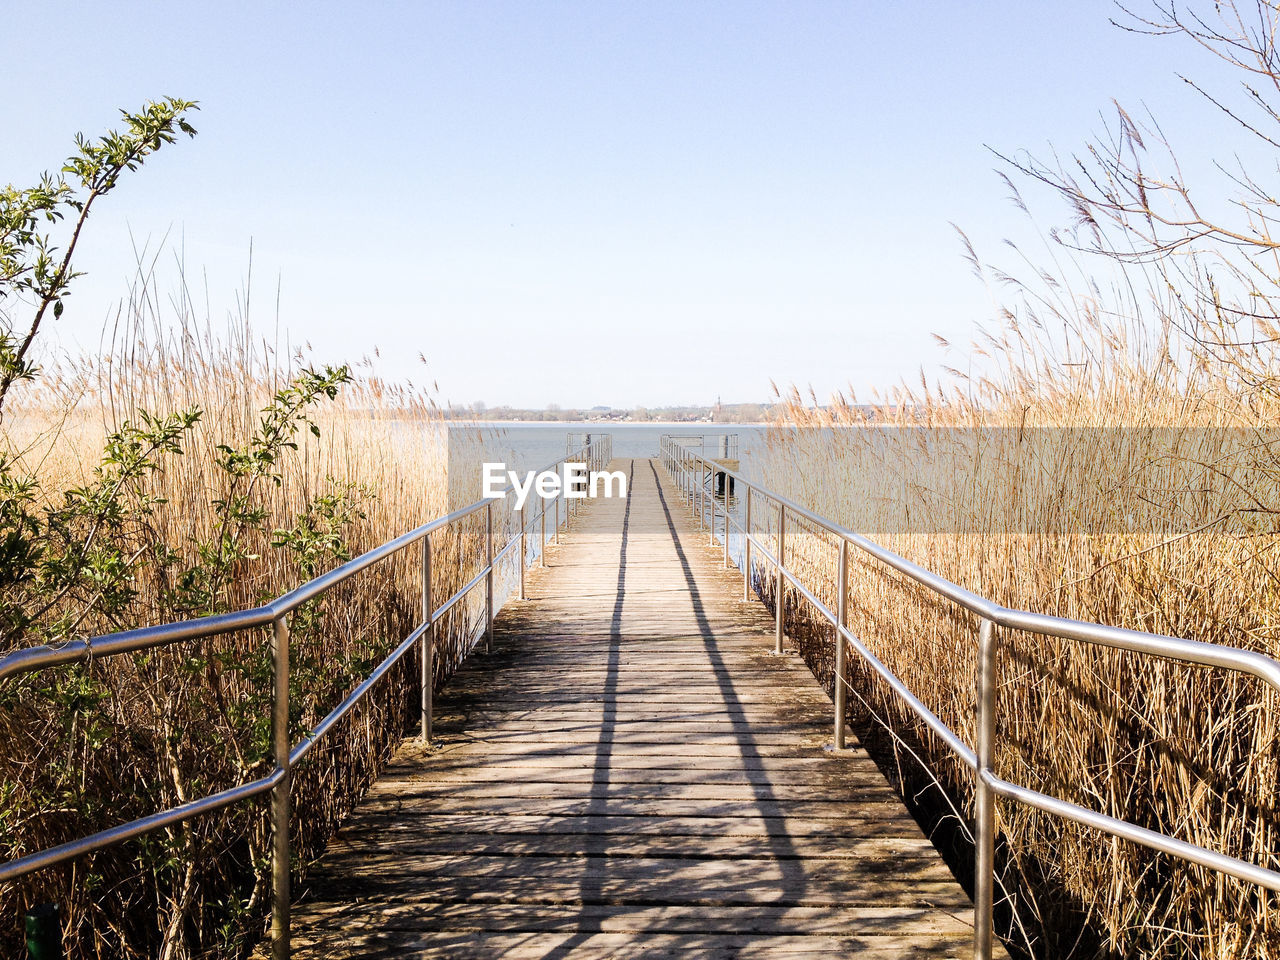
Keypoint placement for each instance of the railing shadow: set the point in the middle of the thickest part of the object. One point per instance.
(780, 842)
(595, 842)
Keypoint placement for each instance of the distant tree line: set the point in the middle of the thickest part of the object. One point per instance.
(552, 413)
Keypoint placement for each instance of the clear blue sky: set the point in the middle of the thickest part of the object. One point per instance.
(583, 202)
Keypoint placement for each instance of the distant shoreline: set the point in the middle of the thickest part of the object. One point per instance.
(553, 424)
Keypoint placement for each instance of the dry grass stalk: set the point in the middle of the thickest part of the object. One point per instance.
(84, 748)
(1137, 488)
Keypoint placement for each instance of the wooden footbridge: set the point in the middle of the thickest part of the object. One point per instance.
(636, 767)
(632, 773)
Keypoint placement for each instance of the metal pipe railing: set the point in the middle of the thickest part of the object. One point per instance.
(596, 454)
(688, 471)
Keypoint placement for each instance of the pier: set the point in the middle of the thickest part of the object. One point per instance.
(632, 772)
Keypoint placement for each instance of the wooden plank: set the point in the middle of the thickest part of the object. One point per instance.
(425, 841)
(900, 880)
(603, 791)
(388, 802)
(610, 824)
(544, 772)
(451, 916)
(500, 763)
(632, 773)
(589, 945)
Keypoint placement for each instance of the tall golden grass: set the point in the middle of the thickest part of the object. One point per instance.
(1109, 470)
(86, 747)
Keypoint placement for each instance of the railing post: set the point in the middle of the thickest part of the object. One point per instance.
(542, 541)
(842, 609)
(985, 801)
(711, 527)
(702, 494)
(280, 800)
(711, 497)
(488, 578)
(726, 523)
(426, 653)
(746, 550)
(555, 536)
(524, 550)
(780, 607)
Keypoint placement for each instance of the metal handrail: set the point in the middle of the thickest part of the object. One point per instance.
(596, 454)
(694, 475)
(730, 441)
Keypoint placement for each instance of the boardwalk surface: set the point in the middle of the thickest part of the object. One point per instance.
(632, 773)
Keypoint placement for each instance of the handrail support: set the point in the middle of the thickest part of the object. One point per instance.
(984, 797)
(426, 653)
(779, 604)
(524, 550)
(488, 578)
(280, 799)
(842, 608)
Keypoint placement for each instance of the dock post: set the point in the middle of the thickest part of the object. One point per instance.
(726, 533)
(746, 551)
(984, 815)
(709, 493)
(524, 551)
(488, 578)
(842, 608)
(280, 799)
(696, 501)
(426, 652)
(780, 607)
(703, 489)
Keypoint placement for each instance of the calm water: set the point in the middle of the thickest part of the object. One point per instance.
(531, 446)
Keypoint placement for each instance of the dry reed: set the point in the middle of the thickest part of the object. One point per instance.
(86, 747)
(1135, 487)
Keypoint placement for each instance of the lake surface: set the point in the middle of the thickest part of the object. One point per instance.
(533, 446)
